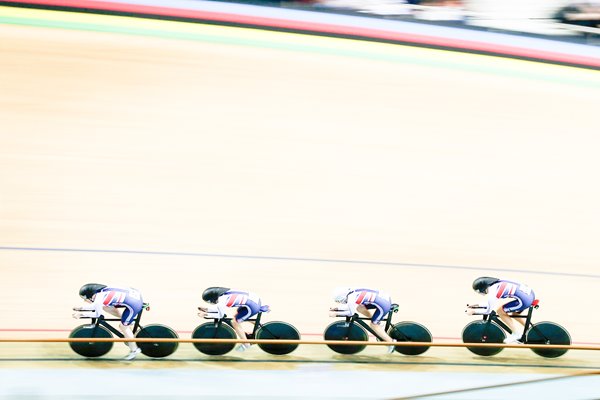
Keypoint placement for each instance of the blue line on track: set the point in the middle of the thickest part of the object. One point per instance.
(251, 257)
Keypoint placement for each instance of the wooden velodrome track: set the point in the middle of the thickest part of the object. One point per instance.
(172, 165)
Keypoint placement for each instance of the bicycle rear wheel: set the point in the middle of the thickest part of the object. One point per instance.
(410, 332)
(157, 349)
(278, 330)
(483, 332)
(338, 330)
(209, 330)
(91, 349)
(548, 333)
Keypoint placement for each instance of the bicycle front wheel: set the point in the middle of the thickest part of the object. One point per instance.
(339, 330)
(483, 332)
(209, 330)
(91, 349)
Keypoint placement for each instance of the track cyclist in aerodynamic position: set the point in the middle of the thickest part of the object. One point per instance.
(362, 301)
(122, 302)
(220, 299)
(507, 299)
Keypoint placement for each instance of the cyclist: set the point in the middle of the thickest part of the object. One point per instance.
(361, 301)
(125, 303)
(220, 299)
(507, 299)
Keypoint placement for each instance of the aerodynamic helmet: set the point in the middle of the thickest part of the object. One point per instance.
(482, 283)
(88, 290)
(211, 294)
(340, 294)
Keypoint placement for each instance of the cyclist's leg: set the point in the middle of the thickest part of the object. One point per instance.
(113, 311)
(237, 324)
(503, 315)
(130, 312)
(520, 303)
(362, 309)
(381, 308)
(519, 320)
(243, 313)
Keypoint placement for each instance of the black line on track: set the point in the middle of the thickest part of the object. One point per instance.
(228, 360)
(302, 259)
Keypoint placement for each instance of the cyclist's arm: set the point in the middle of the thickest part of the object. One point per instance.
(341, 310)
(352, 304)
(217, 311)
(482, 308)
(490, 304)
(93, 310)
(347, 309)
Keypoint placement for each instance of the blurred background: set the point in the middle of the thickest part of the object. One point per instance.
(289, 148)
(558, 18)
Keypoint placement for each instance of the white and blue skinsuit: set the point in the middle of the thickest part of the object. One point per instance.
(128, 298)
(247, 303)
(380, 301)
(522, 294)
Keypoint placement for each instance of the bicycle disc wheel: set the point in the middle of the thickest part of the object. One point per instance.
(157, 349)
(91, 349)
(209, 330)
(548, 333)
(339, 331)
(483, 332)
(278, 330)
(410, 332)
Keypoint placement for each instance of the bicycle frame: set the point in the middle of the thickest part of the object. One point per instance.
(227, 320)
(101, 320)
(495, 318)
(356, 318)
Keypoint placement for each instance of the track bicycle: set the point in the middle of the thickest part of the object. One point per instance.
(222, 328)
(101, 328)
(355, 328)
(491, 329)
